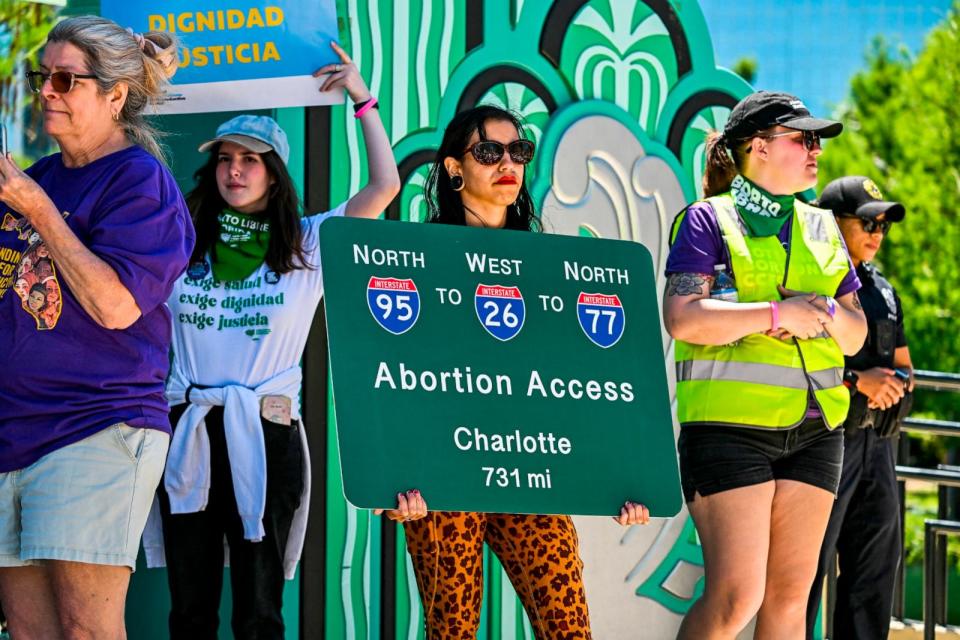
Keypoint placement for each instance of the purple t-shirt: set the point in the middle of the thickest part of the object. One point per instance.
(699, 246)
(66, 377)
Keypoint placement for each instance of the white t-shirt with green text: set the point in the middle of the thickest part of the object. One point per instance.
(246, 331)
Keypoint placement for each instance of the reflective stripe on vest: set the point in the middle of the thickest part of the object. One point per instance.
(762, 381)
(758, 373)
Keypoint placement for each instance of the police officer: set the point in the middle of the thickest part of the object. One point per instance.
(864, 526)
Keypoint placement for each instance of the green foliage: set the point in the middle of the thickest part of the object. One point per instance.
(746, 68)
(922, 506)
(23, 30)
(903, 130)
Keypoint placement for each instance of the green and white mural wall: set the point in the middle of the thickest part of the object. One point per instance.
(618, 95)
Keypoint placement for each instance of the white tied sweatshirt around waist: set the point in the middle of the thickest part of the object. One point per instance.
(187, 475)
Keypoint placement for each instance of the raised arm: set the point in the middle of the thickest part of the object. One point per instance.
(384, 180)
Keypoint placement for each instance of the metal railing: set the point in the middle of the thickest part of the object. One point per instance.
(947, 480)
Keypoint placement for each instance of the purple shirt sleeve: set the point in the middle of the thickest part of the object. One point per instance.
(850, 282)
(143, 231)
(698, 246)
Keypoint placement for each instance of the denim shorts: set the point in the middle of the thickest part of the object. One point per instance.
(715, 458)
(87, 502)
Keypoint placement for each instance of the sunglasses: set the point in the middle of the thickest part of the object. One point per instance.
(870, 225)
(61, 81)
(810, 139)
(489, 152)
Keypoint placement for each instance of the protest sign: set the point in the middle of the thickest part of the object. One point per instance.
(497, 370)
(241, 54)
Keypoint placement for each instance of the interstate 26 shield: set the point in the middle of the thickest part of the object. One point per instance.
(394, 303)
(500, 310)
(601, 317)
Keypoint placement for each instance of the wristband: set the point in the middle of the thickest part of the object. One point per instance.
(774, 315)
(831, 306)
(363, 107)
(850, 379)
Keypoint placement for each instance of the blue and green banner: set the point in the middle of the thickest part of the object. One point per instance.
(239, 54)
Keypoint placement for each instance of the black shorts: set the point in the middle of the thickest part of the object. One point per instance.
(715, 458)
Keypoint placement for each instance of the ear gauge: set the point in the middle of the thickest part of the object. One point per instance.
(456, 183)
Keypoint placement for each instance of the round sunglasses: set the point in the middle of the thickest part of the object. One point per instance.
(870, 225)
(61, 81)
(490, 152)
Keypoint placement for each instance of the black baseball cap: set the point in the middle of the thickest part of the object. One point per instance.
(859, 196)
(764, 109)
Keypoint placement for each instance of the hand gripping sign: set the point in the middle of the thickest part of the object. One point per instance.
(394, 303)
(500, 310)
(601, 318)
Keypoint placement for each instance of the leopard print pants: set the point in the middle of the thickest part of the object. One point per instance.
(539, 553)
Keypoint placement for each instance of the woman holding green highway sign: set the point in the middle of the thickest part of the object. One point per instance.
(477, 180)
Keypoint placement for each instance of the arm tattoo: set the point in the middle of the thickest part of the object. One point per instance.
(686, 284)
(856, 302)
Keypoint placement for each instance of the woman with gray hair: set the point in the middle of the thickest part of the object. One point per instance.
(102, 230)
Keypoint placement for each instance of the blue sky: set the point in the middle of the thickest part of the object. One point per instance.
(811, 48)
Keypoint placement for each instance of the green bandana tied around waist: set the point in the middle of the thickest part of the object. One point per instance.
(241, 246)
(763, 213)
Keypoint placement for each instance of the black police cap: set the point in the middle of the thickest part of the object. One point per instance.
(859, 196)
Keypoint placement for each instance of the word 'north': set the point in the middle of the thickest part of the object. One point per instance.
(363, 254)
(590, 273)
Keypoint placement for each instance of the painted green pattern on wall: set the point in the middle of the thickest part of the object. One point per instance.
(620, 50)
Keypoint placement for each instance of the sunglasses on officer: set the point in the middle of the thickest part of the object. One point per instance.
(61, 81)
(871, 225)
(490, 152)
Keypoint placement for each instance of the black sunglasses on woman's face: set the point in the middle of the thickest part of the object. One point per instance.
(810, 139)
(871, 225)
(490, 152)
(61, 81)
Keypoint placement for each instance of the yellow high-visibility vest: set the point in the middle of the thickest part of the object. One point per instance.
(761, 381)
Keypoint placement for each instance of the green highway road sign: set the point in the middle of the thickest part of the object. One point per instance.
(497, 371)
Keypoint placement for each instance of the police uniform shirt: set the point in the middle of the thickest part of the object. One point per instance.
(885, 334)
(881, 306)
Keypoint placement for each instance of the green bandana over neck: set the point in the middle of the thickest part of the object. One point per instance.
(763, 213)
(241, 245)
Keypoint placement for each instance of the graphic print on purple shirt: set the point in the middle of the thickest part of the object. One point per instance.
(66, 377)
(699, 246)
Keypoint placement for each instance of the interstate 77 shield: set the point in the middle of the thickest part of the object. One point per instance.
(496, 370)
(601, 318)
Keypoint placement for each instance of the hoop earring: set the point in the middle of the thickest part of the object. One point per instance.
(456, 183)
(116, 117)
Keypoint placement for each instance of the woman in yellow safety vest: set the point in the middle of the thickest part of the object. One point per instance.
(761, 300)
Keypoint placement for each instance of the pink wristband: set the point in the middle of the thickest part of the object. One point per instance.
(366, 107)
(774, 315)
